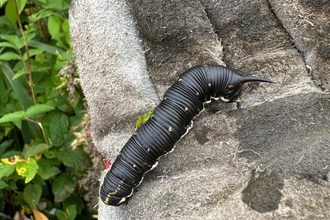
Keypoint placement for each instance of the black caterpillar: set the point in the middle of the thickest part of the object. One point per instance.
(172, 119)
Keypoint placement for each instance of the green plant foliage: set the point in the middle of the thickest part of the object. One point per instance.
(32, 194)
(69, 213)
(143, 119)
(32, 111)
(42, 114)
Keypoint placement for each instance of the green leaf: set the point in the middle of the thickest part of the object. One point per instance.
(20, 5)
(32, 52)
(48, 171)
(47, 48)
(38, 67)
(10, 12)
(32, 194)
(27, 168)
(71, 212)
(19, 73)
(33, 111)
(29, 35)
(59, 126)
(43, 13)
(14, 40)
(76, 158)
(19, 199)
(66, 30)
(10, 9)
(4, 95)
(19, 115)
(38, 109)
(29, 151)
(65, 26)
(62, 187)
(57, 5)
(18, 65)
(7, 44)
(4, 145)
(17, 86)
(74, 200)
(3, 184)
(61, 215)
(2, 2)
(10, 153)
(143, 119)
(63, 104)
(50, 154)
(10, 56)
(54, 26)
(6, 169)
(50, 92)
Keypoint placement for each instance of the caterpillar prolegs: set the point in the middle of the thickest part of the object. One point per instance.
(171, 120)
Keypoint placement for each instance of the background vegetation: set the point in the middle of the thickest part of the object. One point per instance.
(43, 121)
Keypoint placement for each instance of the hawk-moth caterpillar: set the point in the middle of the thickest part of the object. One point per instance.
(171, 120)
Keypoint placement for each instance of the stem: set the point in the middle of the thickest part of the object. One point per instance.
(30, 83)
(41, 128)
(41, 25)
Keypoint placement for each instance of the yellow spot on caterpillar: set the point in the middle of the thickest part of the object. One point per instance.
(134, 165)
(112, 193)
(230, 86)
(186, 108)
(239, 99)
(197, 93)
(209, 84)
(106, 201)
(179, 79)
(170, 129)
(148, 149)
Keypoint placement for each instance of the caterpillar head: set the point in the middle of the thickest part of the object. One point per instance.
(233, 90)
